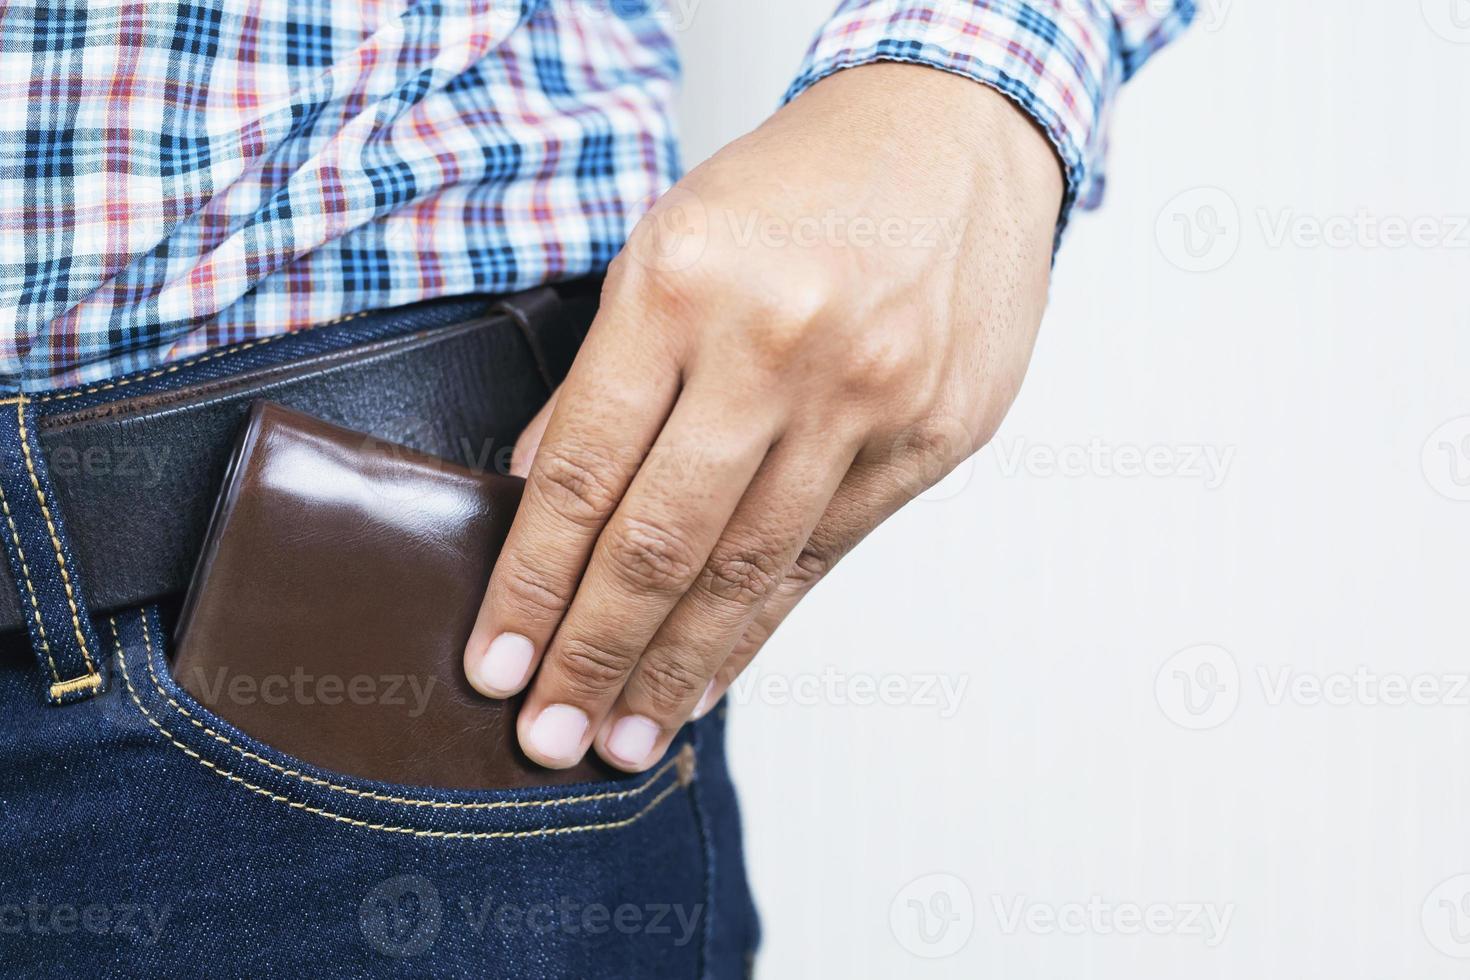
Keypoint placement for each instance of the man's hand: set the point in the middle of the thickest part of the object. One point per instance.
(805, 333)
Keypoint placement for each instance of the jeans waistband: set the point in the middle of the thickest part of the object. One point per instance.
(106, 489)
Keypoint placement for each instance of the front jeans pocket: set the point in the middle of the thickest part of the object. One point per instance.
(249, 862)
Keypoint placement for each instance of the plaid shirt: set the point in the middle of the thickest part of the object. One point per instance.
(177, 175)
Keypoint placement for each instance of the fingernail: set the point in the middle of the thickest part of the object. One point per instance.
(706, 701)
(632, 739)
(502, 670)
(556, 734)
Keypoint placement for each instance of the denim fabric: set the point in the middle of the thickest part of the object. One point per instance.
(41, 563)
(145, 836)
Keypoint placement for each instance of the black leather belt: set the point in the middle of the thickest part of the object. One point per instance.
(137, 461)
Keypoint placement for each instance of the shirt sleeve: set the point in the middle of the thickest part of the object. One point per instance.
(1061, 61)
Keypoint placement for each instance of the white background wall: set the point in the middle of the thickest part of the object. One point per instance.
(1334, 381)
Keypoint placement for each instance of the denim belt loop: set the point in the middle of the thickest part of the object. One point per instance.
(42, 564)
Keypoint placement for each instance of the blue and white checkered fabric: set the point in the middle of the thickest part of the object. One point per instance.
(176, 175)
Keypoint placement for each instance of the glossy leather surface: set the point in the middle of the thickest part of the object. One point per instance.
(327, 618)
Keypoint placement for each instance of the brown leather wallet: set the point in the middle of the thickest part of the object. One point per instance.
(339, 580)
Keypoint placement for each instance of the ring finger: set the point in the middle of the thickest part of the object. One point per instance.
(766, 533)
(646, 557)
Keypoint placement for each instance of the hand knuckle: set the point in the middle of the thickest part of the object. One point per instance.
(668, 684)
(940, 437)
(784, 291)
(926, 451)
(780, 324)
(592, 669)
(580, 484)
(650, 557)
(532, 594)
(812, 565)
(773, 342)
(742, 577)
(755, 637)
(676, 292)
(879, 360)
(634, 284)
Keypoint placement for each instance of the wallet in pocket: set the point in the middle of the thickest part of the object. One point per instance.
(328, 613)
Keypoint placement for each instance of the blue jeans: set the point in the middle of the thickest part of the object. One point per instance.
(145, 836)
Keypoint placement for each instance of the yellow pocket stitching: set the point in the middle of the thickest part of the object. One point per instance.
(380, 797)
(76, 622)
(367, 825)
(25, 572)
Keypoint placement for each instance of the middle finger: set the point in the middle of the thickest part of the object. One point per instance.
(645, 558)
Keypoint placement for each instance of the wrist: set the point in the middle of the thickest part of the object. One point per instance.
(930, 123)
